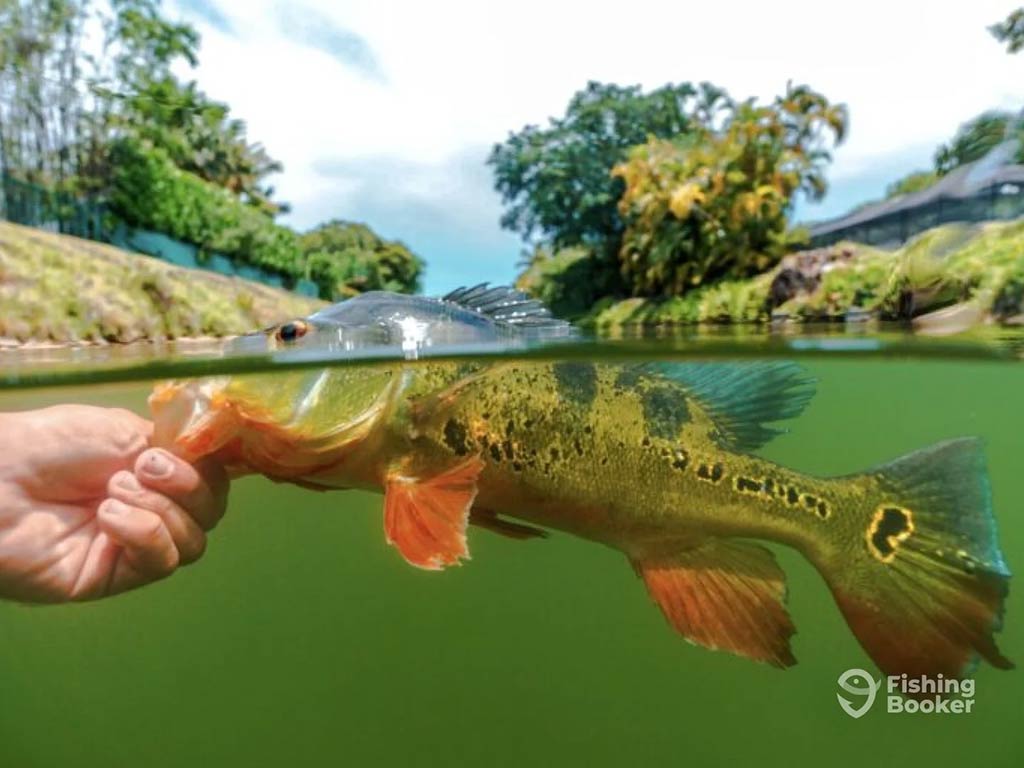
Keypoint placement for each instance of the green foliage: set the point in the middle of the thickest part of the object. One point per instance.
(714, 204)
(569, 281)
(200, 137)
(1010, 31)
(147, 43)
(727, 301)
(62, 108)
(120, 125)
(555, 181)
(975, 139)
(38, 90)
(344, 258)
(912, 182)
(971, 266)
(148, 190)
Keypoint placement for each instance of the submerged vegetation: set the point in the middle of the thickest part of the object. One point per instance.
(60, 288)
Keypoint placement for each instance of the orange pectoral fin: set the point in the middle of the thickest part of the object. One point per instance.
(724, 595)
(426, 518)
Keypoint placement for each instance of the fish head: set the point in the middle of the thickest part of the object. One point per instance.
(284, 424)
(323, 333)
(289, 423)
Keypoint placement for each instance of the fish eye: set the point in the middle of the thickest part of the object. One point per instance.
(296, 329)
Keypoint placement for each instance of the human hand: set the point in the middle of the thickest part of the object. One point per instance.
(88, 510)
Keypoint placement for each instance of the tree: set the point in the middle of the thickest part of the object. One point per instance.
(974, 139)
(556, 181)
(202, 138)
(912, 182)
(1010, 31)
(715, 203)
(61, 109)
(40, 68)
(345, 258)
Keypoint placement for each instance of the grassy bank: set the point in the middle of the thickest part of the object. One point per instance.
(977, 269)
(60, 288)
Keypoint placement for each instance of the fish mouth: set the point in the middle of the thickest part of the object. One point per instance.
(193, 419)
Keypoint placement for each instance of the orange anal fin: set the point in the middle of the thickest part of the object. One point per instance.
(484, 518)
(724, 595)
(426, 518)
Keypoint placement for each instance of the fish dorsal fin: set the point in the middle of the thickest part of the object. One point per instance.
(742, 398)
(724, 595)
(505, 304)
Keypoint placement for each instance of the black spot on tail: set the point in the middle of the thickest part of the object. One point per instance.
(887, 529)
(577, 382)
(665, 411)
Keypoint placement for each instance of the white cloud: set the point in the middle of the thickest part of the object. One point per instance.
(458, 76)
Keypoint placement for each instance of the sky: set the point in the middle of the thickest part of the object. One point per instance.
(385, 112)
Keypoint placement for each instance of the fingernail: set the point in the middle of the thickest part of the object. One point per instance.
(157, 465)
(128, 481)
(114, 507)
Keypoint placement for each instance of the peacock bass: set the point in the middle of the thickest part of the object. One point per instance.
(654, 460)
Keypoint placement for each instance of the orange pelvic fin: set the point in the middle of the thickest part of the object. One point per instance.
(724, 595)
(426, 518)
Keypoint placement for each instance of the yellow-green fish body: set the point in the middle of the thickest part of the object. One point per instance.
(654, 460)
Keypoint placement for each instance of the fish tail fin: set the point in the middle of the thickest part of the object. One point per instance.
(923, 586)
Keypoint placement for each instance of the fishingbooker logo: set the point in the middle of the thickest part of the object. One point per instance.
(930, 695)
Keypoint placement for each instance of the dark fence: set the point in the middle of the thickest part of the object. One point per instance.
(1000, 202)
(35, 206)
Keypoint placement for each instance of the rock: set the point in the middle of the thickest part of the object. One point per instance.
(949, 320)
(800, 272)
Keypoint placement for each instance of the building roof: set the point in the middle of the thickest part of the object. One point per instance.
(966, 180)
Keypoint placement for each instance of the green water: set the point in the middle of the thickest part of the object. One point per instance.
(300, 638)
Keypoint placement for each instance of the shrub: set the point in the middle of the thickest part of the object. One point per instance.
(715, 203)
(345, 258)
(569, 281)
(149, 191)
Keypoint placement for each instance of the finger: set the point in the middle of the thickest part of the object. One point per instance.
(148, 546)
(188, 537)
(200, 490)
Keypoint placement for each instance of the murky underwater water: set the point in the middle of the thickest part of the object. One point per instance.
(301, 637)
